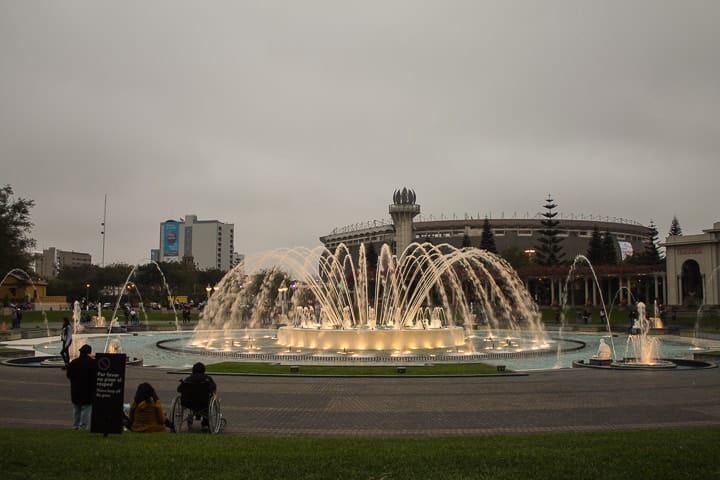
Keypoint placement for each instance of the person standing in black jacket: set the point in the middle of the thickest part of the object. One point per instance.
(82, 373)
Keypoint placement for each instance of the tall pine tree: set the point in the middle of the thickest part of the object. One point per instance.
(675, 228)
(595, 251)
(609, 250)
(549, 251)
(651, 255)
(487, 239)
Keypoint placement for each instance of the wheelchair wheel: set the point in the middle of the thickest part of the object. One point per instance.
(216, 422)
(179, 416)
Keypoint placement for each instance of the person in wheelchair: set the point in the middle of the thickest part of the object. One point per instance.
(196, 392)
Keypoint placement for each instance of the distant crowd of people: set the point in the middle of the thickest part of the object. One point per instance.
(16, 317)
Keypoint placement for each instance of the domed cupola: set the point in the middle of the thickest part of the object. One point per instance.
(405, 196)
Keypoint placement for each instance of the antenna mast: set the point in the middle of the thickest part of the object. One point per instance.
(102, 232)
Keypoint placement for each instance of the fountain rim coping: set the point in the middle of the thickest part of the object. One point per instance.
(54, 361)
(403, 359)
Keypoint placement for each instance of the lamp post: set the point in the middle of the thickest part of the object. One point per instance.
(87, 296)
(130, 287)
(208, 289)
(127, 307)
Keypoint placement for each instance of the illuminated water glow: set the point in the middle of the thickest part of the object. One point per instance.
(431, 297)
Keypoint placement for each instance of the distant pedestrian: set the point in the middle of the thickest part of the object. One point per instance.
(19, 316)
(82, 373)
(66, 340)
(602, 315)
(14, 318)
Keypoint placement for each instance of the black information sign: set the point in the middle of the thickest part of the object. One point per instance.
(107, 411)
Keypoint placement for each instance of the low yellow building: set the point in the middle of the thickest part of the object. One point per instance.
(19, 289)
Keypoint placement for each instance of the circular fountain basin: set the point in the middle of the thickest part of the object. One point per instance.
(179, 350)
(379, 339)
(657, 364)
(451, 346)
(56, 361)
(634, 363)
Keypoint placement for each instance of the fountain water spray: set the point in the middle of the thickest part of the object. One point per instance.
(570, 276)
(417, 300)
(77, 339)
(113, 319)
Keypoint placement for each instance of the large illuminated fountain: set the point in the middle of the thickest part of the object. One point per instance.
(430, 297)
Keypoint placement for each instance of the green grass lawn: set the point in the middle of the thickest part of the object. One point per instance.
(654, 454)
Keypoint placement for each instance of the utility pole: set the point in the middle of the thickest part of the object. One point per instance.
(102, 232)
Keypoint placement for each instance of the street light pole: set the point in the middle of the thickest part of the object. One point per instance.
(87, 296)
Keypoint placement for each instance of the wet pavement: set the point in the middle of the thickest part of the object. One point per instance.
(541, 401)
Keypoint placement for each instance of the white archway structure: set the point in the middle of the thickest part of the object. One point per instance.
(703, 249)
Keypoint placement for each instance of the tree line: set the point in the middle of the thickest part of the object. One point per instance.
(147, 283)
(549, 251)
(98, 283)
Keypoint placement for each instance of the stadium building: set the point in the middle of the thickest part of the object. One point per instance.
(621, 283)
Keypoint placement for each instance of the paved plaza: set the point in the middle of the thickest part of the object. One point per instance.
(542, 401)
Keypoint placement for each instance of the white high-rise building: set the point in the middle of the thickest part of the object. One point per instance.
(209, 244)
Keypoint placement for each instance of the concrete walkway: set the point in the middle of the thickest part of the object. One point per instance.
(546, 401)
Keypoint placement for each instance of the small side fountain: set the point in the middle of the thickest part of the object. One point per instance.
(641, 349)
(603, 355)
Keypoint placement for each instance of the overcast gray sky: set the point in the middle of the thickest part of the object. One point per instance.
(291, 118)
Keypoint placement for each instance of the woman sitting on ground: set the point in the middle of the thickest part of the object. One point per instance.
(146, 412)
